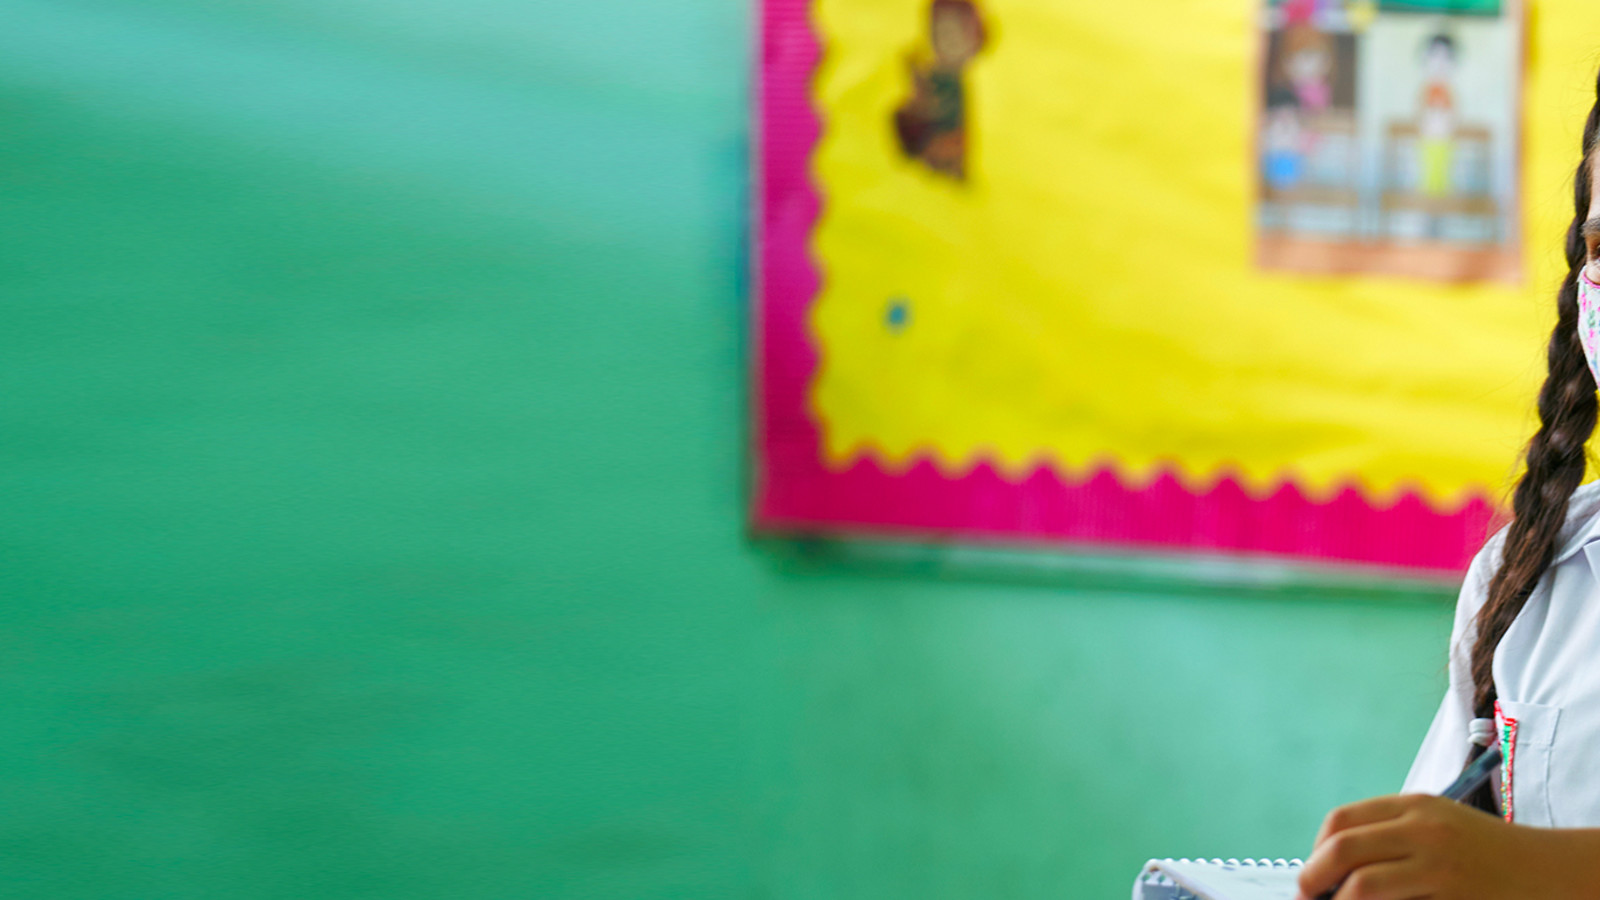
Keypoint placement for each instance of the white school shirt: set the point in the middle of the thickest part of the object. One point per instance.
(1547, 673)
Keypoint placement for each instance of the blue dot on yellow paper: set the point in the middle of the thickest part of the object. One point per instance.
(898, 315)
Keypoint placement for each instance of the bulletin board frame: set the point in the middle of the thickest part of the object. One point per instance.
(796, 491)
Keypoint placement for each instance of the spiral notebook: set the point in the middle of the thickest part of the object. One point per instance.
(1218, 879)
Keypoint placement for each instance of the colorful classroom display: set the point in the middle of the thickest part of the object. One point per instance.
(1262, 279)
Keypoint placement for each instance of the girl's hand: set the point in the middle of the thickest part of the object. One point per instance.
(1420, 846)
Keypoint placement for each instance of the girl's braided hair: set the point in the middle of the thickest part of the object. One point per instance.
(1555, 461)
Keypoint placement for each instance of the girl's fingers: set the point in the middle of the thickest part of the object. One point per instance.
(1398, 880)
(1346, 851)
(1366, 812)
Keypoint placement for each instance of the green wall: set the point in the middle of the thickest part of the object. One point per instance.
(370, 468)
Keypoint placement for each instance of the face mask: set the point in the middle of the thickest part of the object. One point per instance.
(1589, 321)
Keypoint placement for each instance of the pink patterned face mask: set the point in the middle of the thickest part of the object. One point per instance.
(1589, 321)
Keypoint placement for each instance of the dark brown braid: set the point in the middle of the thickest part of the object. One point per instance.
(1555, 458)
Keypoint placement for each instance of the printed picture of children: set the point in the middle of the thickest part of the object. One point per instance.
(931, 125)
(1443, 152)
(1307, 137)
(1387, 137)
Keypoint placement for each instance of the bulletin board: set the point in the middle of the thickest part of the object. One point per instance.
(1039, 272)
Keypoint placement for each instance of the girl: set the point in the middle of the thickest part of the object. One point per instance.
(1436, 122)
(932, 125)
(1524, 665)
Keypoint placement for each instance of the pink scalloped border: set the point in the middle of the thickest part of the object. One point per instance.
(795, 492)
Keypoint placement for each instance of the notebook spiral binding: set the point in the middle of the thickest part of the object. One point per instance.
(1157, 886)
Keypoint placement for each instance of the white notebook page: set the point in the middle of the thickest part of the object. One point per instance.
(1231, 880)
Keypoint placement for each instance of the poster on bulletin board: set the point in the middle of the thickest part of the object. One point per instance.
(1389, 136)
(1233, 277)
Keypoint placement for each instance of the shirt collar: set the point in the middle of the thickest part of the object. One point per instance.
(1583, 524)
